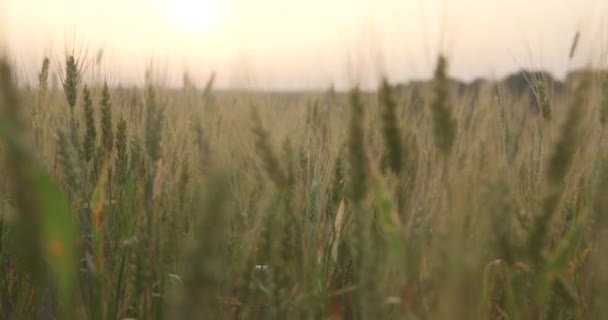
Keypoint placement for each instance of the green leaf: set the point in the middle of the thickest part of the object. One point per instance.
(59, 236)
(58, 230)
(391, 224)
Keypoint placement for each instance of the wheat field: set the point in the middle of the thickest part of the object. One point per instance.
(426, 201)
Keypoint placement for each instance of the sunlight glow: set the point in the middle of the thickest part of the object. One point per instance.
(193, 15)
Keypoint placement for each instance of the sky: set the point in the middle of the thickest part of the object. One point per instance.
(299, 44)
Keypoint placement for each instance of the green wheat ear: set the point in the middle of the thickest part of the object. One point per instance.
(390, 128)
(91, 131)
(107, 135)
(559, 166)
(444, 125)
(68, 159)
(154, 125)
(122, 160)
(71, 81)
(262, 142)
(357, 152)
(43, 80)
(542, 97)
(136, 153)
(43, 76)
(565, 147)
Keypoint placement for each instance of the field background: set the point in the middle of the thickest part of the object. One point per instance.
(429, 200)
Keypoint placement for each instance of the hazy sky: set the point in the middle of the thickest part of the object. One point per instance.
(306, 43)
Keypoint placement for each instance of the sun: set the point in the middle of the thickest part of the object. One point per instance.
(193, 15)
